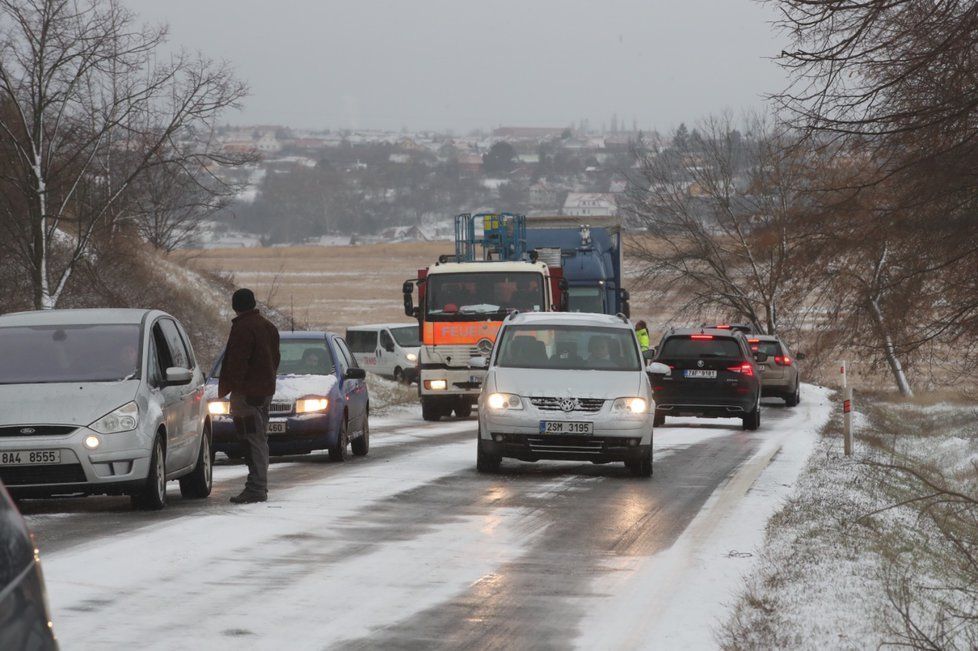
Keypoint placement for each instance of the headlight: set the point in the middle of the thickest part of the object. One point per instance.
(500, 401)
(632, 406)
(311, 405)
(436, 385)
(123, 419)
(219, 407)
(411, 357)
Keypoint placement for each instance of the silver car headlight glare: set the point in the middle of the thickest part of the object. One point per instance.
(504, 401)
(123, 419)
(630, 407)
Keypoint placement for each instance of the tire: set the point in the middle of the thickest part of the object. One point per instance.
(197, 485)
(399, 375)
(463, 408)
(641, 467)
(430, 410)
(752, 421)
(361, 444)
(153, 495)
(659, 419)
(793, 399)
(486, 463)
(341, 450)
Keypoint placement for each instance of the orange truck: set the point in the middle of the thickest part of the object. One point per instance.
(462, 301)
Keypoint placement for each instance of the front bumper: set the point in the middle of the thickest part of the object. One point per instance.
(461, 382)
(516, 434)
(303, 434)
(120, 464)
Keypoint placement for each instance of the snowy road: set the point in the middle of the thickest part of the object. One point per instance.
(411, 548)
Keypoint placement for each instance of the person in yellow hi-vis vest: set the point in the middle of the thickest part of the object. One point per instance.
(642, 332)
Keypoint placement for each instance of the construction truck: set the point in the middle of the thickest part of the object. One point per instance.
(463, 299)
(589, 252)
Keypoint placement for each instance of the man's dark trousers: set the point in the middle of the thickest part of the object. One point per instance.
(251, 425)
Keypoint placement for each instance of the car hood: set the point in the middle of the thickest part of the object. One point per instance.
(62, 404)
(567, 384)
(288, 387)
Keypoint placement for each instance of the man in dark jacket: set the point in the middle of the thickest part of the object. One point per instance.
(248, 373)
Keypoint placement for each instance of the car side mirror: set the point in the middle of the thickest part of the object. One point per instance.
(355, 374)
(177, 376)
(800, 356)
(478, 362)
(760, 357)
(658, 368)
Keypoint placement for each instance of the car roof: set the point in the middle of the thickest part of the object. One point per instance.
(681, 332)
(567, 318)
(378, 326)
(94, 316)
(305, 334)
(765, 338)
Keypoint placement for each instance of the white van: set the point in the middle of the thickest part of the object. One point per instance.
(387, 349)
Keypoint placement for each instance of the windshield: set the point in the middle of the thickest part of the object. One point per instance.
(406, 337)
(76, 353)
(585, 299)
(568, 347)
(697, 346)
(300, 357)
(769, 348)
(466, 295)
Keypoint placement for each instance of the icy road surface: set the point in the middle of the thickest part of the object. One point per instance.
(411, 548)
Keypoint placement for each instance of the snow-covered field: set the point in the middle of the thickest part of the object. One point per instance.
(410, 547)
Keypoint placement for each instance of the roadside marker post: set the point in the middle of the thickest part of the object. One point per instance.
(846, 412)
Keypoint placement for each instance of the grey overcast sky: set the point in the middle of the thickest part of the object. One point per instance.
(460, 64)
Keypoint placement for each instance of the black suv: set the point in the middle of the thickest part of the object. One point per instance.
(713, 374)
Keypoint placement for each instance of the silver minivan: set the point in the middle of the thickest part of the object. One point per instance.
(103, 401)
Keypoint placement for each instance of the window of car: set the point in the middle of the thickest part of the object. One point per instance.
(386, 341)
(362, 341)
(700, 346)
(174, 342)
(69, 353)
(16, 552)
(406, 336)
(568, 347)
(351, 362)
(769, 348)
(163, 356)
(304, 357)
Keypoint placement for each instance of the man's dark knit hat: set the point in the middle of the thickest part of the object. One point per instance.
(243, 300)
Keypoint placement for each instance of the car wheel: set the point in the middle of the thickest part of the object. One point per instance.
(430, 410)
(752, 421)
(641, 467)
(659, 419)
(463, 408)
(340, 451)
(361, 444)
(485, 462)
(153, 495)
(399, 375)
(198, 483)
(793, 399)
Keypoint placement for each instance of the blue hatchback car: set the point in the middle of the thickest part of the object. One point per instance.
(321, 401)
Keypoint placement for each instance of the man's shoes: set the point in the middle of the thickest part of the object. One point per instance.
(249, 497)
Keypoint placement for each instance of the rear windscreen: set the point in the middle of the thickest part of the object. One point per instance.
(769, 348)
(687, 347)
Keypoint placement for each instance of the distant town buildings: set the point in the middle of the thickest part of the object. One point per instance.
(589, 204)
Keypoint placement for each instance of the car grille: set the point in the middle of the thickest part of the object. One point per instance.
(37, 430)
(68, 473)
(589, 405)
(460, 355)
(280, 407)
(565, 444)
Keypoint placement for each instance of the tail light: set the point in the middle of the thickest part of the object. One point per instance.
(782, 360)
(743, 369)
(701, 337)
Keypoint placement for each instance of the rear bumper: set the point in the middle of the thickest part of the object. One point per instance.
(708, 406)
(596, 449)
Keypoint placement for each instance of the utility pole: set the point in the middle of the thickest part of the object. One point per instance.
(846, 411)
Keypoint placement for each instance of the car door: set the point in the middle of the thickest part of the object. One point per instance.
(187, 399)
(386, 353)
(169, 400)
(353, 391)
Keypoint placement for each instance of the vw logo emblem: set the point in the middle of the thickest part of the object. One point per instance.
(699, 363)
(569, 404)
(27, 430)
(484, 346)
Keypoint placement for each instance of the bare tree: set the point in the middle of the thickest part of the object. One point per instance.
(724, 221)
(90, 108)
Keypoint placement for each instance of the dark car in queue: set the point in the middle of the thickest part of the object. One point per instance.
(321, 401)
(712, 374)
(780, 376)
(25, 620)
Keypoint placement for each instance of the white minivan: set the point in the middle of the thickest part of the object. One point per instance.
(387, 349)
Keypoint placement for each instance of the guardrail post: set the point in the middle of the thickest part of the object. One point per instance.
(846, 412)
